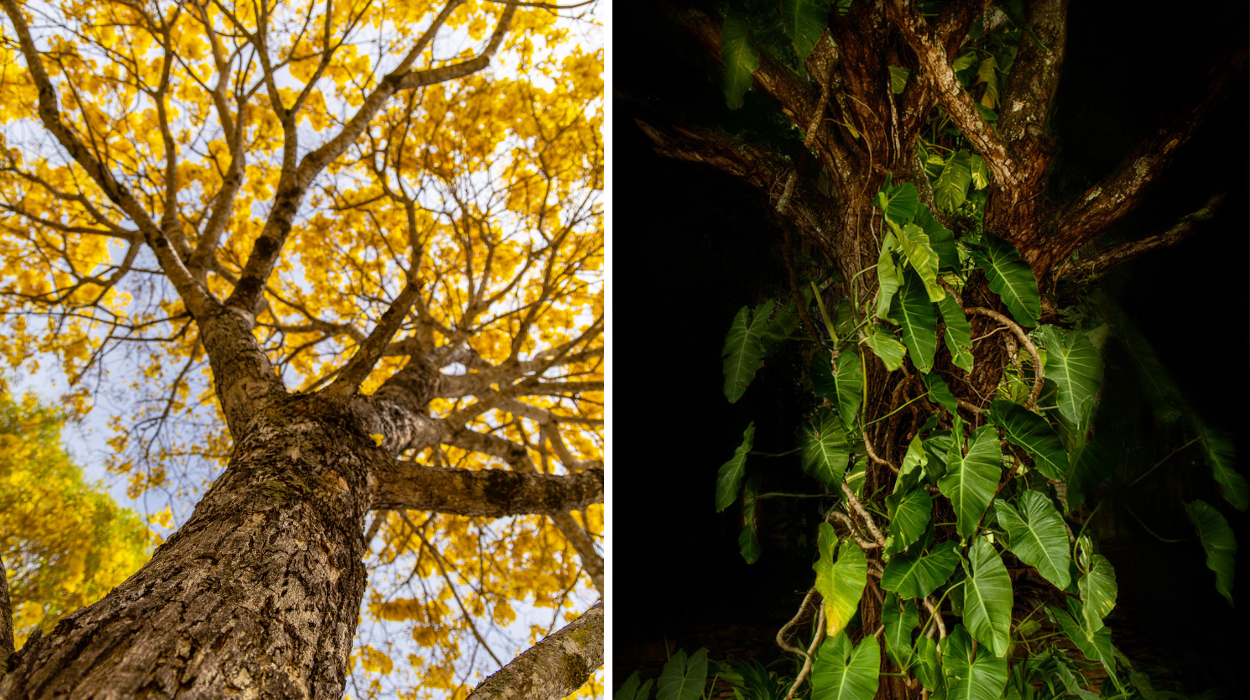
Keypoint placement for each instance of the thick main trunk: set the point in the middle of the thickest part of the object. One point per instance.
(257, 596)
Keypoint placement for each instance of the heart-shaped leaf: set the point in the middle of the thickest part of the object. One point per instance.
(886, 346)
(970, 480)
(913, 575)
(1030, 431)
(958, 333)
(1219, 544)
(740, 57)
(683, 678)
(987, 597)
(823, 450)
(744, 349)
(1037, 536)
(840, 582)
(917, 317)
(729, 478)
(899, 622)
(1075, 365)
(850, 386)
(1010, 278)
(971, 675)
(1098, 591)
(842, 674)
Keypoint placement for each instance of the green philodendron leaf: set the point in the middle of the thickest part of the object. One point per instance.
(1075, 366)
(1217, 447)
(729, 478)
(748, 540)
(840, 582)
(1037, 536)
(631, 690)
(899, 203)
(1094, 644)
(911, 471)
(1218, 542)
(888, 276)
(1030, 431)
(842, 674)
(917, 316)
(823, 449)
(909, 516)
(941, 394)
(987, 74)
(971, 675)
(928, 667)
(950, 189)
(1092, 464)
(914, 243)
(683, 678)
(820, 371)
(937, 446)
(886, 346)
(941, 239)
(899, 625)
(987, 597)
(980, 172)
(898, 79)
(781, 327)
(740, 57)
(1010, 278)
(744, 349)
(850, 386)
(958, 333)
(971, 480)
(1098, 591)
(803, 21)
(914, 575)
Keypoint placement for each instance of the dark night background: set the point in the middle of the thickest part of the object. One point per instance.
(692, 245)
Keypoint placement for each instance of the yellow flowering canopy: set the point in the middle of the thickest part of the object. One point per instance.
(311, 161)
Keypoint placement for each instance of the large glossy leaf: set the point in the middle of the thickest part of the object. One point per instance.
(1075, 366)
(958, 333)
(987, 597)
(928, 668)
(1217, 446)
(899, 625)
(914, 243)
(840, 582)
(971, 675)
(899, 203)
(940, 238)
(748, 540)
(951, 187)
(744, 349)
(740, 57)
(632, 690)
(1037, 536)
(886, 346)
(909, 517)
(842, 674)
(915, 576)
(1098, 591)
(941, 394)
(850, 386)
(1094, 644)
(803, 21)
(820, 370)
(1219, 544)
(1092, 463)
(980, 172)
(1030, 431)
(970, 480)
(823, 451)
(917, 317)
(888, 276)
(730, 476)
(1010, 278)
(683, 678)
(911, 471)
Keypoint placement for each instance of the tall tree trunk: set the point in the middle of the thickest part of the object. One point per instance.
(257, 596)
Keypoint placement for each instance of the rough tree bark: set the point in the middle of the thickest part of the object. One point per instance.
(259, 593)
(858, 131)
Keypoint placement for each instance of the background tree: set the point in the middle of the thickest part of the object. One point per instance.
(817, 139)
(377, 228)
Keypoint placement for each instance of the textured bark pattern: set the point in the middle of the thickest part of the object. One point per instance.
(555, 667)
(257, 596)
(6, 618)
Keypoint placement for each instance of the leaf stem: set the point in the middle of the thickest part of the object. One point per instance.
(878, 420)
(1160, 462)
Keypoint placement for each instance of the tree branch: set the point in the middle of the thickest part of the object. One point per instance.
(374, 347)
(553, 668)
(1120, 193)
(490, 493)
(1031, 87)
(1107, 258)
(935, 68)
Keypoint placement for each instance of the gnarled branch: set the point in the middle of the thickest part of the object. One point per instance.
(553, 668)
(490, 493)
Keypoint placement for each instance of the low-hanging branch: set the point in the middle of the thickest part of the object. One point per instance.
(491, 493)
